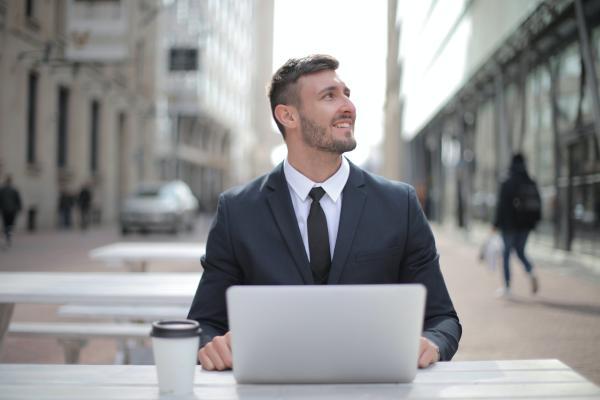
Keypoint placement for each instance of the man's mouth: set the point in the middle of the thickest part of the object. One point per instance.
(343, 124)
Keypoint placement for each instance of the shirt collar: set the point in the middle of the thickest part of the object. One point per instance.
(302, 185)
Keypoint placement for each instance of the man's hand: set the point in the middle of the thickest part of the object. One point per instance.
(429, 353)
(216, 355)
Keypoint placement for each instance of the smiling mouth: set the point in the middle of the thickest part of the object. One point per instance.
(343, 125)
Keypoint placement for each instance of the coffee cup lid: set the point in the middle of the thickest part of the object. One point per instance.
(175, 328)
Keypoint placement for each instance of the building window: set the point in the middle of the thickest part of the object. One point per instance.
(60, 16)
(538, 144)
(570, 98)
(514, 117)
(183, 59)
(32, 84)
(30, 8)
(483, 202)
(94, 132)
(63, 125)
(32, 14)
(139, 60)
(539, 133)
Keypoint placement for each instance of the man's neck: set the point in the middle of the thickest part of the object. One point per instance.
(318, 166)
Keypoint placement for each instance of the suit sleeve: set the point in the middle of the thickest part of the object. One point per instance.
(421, 265)
(221, 270)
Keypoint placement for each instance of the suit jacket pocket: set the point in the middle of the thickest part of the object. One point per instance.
(379, 254)
(374, 266)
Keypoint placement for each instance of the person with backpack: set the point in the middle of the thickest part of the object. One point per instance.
(518, 210)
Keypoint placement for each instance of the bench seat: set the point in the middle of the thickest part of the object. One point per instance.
(123, 312)
(73, 336)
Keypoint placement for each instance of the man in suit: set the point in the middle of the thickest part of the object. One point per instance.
(319, 219)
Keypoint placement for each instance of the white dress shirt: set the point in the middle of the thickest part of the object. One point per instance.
(331, 203)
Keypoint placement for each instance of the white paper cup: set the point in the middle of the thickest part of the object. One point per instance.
(175, 345)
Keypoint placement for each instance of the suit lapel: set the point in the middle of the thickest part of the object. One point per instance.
(283, 212)
(353, 201)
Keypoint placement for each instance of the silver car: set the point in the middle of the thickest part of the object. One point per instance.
(167, 206)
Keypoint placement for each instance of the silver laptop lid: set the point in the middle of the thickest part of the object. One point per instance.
(325, 334)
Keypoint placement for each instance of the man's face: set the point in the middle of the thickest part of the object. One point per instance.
(327, 115)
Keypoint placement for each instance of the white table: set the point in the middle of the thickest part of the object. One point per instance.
(523, 379)
(137, 255)
(93, 288)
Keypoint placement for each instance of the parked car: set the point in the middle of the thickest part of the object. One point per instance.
(167, 206)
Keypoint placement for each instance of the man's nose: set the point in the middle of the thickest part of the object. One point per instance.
(348, 107)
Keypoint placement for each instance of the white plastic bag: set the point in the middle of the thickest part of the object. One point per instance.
(491, 251)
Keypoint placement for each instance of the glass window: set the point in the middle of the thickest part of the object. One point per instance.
(485, 182)
(538, 144)
(94, 133)
(587, 113)
(183, 59)
(139, 61)
(586, 218)
(596, 48)
(60, 17)
(514, 114)
(30, 8)
(585, 160)
(147, 192)
(569, 89)
(32, 90)
(63, 126)
(595, 44)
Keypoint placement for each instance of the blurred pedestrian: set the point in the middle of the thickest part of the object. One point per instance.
(10, 206)
(84, 201)
(518, 210)
(65, 207)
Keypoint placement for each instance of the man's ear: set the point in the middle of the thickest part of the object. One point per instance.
(287, 115)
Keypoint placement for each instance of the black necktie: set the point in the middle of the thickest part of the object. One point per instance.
(318, 238)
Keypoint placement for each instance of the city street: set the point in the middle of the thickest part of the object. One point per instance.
(562, 321)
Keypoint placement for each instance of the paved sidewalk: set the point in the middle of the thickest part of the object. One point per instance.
(562, 321)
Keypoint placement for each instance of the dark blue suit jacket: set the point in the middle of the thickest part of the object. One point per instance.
(383, 237)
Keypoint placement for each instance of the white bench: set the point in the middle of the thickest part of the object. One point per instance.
(123, 312)
(73, 336)
(129, 350)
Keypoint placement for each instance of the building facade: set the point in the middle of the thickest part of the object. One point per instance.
(113, 93)
(483, 80)
(216, 55)
(77, 101)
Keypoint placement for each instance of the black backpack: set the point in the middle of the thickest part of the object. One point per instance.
(527, 205)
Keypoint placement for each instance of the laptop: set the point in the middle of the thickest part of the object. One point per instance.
(325, 334)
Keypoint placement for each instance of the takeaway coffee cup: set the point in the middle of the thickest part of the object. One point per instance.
(175, 345)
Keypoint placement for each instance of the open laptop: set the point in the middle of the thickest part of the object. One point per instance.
(325, 334)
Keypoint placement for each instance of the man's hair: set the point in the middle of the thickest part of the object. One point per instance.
(283, 88)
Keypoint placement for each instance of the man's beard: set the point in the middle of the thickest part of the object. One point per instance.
(315, 136)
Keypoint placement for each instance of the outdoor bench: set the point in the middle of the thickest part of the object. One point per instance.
(124, 312)
(72, 336)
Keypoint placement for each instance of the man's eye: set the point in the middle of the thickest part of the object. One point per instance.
(328, 96)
